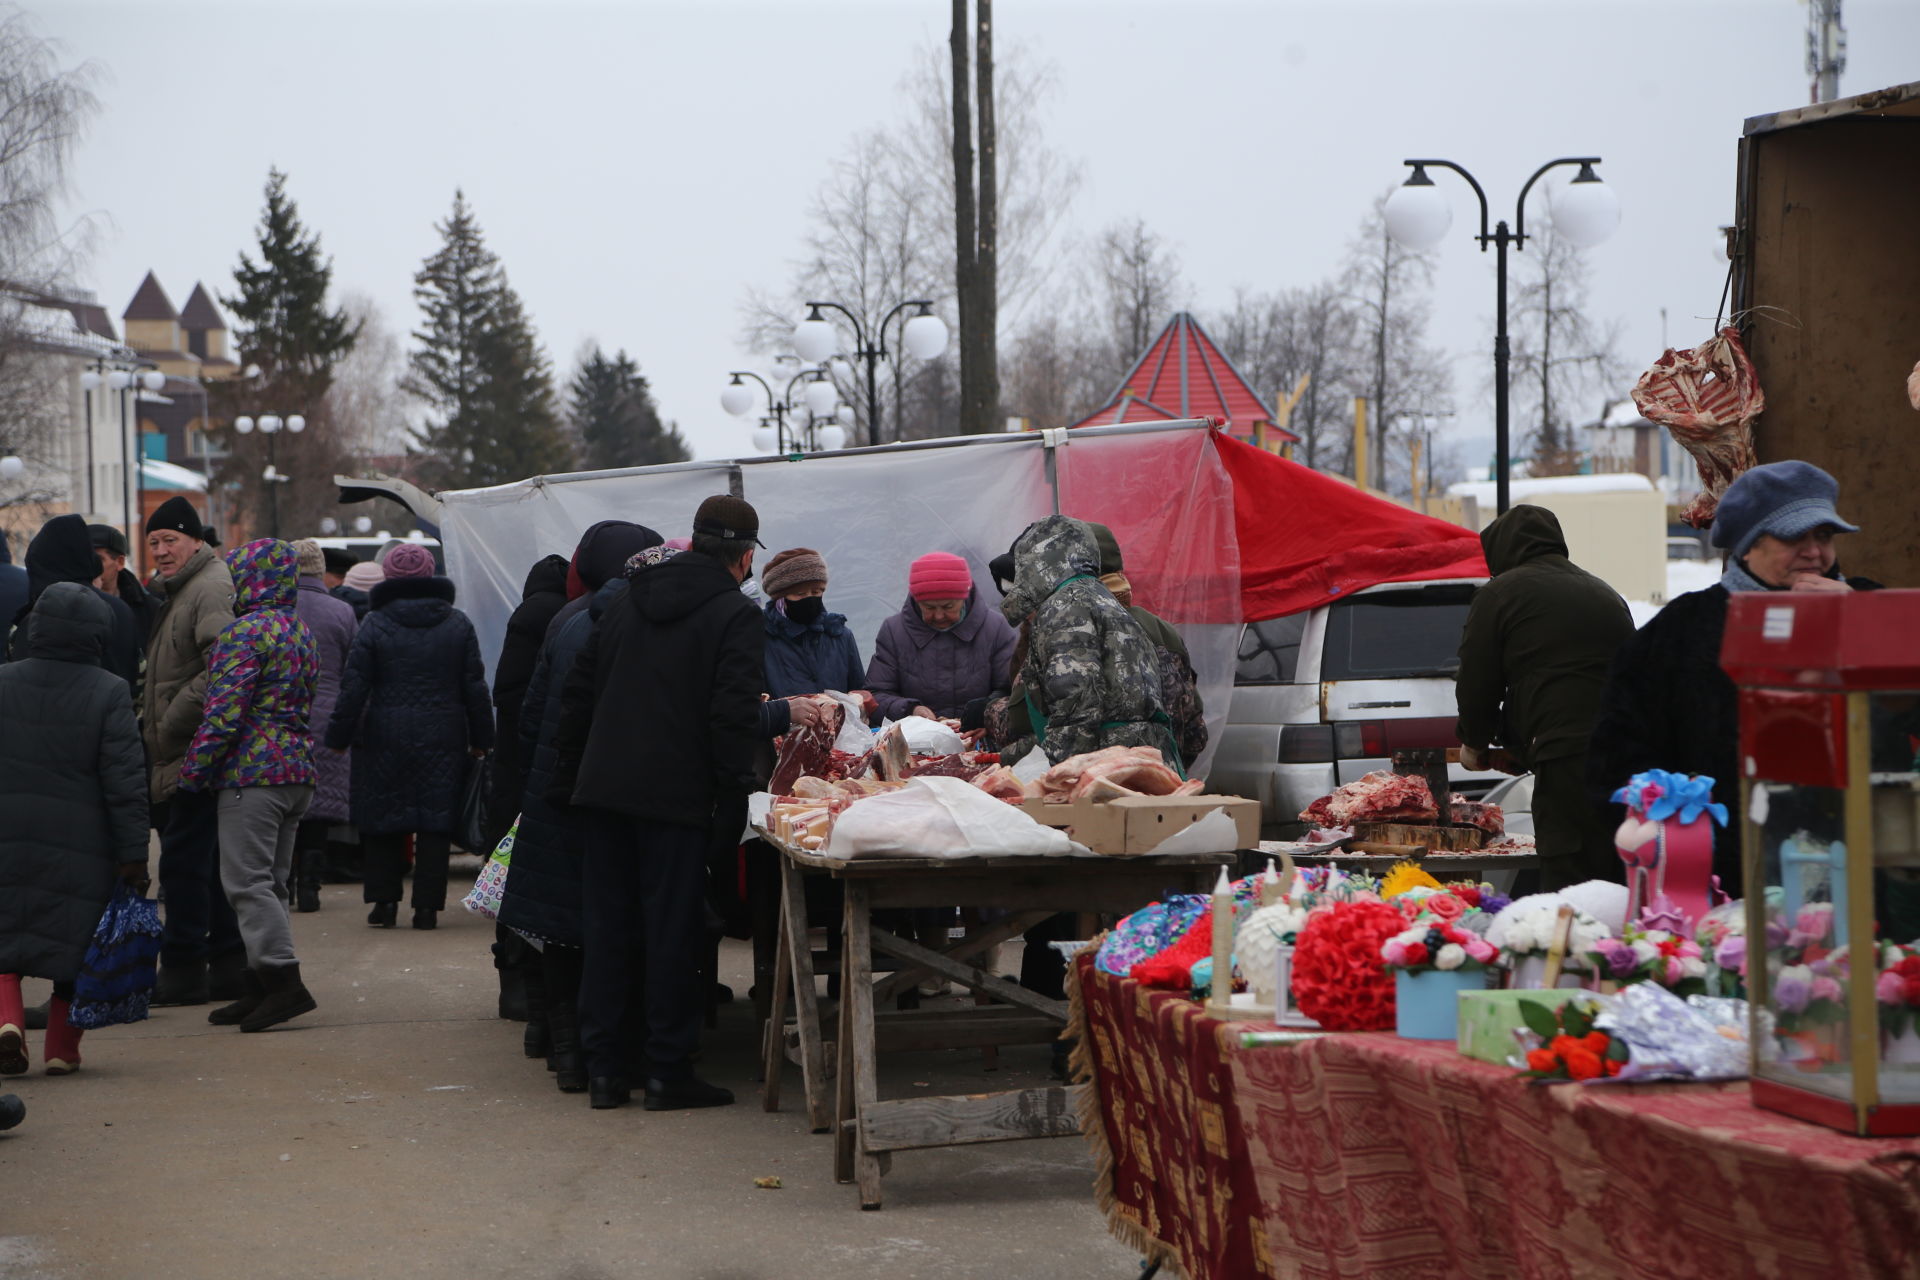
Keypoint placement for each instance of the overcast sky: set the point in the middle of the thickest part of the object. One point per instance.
(638, 165)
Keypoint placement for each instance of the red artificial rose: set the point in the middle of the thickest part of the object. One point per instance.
(1469, 895)
(1543, 1061)
(1596, 1041)
(1909, 967)
(1444, 906)
(1415, 954)
(1563, 1045)
(1612, 1066)
(1583, 1064)
(1671, 947)
(1339, 979)
(1913, 991)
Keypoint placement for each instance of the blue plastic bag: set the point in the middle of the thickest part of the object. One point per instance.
(116, 978)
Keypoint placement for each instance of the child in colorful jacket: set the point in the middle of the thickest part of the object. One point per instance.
(254, 747)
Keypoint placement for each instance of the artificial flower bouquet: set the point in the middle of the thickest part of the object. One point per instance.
(1652, 955)
(1571, 1046)
(1524, 935)
(1722, 935)
(1898, 990)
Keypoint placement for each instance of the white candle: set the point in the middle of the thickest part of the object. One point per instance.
(1221, 993)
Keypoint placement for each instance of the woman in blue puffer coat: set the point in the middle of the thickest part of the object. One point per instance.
(413, 706)
(808, 649)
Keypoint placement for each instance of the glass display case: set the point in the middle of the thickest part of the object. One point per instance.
(1829, 727)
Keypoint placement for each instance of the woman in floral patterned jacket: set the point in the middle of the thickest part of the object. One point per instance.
(254, 747)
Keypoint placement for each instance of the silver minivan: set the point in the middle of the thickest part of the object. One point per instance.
(1322, 697)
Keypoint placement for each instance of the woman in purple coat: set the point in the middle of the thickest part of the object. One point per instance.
(942, 655)
(332, 622)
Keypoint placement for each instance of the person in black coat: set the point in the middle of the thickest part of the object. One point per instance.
(339, 562)
(1668, 703)
(413, 706)
(118, 580)
(63, 552)
(658, 723)
(544, 592)
(73, 787)
(13, 591)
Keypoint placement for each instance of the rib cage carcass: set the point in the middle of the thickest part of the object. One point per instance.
(1708, 397)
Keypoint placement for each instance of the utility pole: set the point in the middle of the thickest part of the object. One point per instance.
(1826, 48)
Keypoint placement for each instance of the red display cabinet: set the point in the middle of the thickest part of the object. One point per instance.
(1830, 809)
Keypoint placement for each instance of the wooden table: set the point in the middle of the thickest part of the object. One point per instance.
(867, 1128)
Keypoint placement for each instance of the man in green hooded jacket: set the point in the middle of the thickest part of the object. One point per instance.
(1533, 661)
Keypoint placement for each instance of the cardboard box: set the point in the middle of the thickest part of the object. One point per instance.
(1137, 824)
(1099, 826)
(1151, 819)
(1488, 1020)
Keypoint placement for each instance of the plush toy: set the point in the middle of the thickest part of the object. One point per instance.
(1666, 843)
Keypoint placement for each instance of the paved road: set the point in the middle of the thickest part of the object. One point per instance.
(397, 1131)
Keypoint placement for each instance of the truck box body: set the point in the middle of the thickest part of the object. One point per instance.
(1827, 286)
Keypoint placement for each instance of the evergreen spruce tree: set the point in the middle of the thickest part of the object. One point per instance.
(282, 324)
(614, 417)
(478, 366)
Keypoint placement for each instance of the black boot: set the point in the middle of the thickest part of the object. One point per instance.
(604, 1093)
(230, 1015)
(306, 877)
(287, 997)
(227, 976)
(684, 1092)
(424, 917)
(12, 1110)
(569, 1063)
(182, 981)
(384, 915)
(538, 1040)
(515, 1001)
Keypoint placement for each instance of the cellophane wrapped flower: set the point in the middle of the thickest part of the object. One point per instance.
(1652, 955)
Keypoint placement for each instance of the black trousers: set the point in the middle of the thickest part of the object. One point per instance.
(1573, 835)
(386, 855)
(643, 923)
(200, 923)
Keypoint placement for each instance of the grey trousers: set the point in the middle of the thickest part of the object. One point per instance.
(257, 828)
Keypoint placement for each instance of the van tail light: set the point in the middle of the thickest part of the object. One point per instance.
(1306, 744)
(1363, 739)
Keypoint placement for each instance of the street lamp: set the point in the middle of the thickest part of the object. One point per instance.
(819, 398)
(1419, 216)
(924, 336)
(270, 425)
(132, 379)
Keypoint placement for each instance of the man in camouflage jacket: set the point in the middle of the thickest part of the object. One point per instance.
(1091, 675)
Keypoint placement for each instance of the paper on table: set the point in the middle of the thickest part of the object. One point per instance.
(1215, 833)
(759, 815)
(1032, 765)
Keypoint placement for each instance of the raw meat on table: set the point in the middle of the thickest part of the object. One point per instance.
(1379, 797)
(1462, 812)
(807, 750)
(999, 782)
(1060, 783)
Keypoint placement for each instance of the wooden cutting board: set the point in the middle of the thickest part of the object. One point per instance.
(1454, 839)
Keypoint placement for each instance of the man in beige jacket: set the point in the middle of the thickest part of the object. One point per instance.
(201, 955)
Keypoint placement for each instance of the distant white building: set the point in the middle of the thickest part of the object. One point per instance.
(1623, 442)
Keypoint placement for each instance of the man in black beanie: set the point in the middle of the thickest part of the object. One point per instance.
(201, 955)
(667, 691)
(117, 580)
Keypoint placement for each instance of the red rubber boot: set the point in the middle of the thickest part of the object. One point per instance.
(62, 1050)
(13, 1021)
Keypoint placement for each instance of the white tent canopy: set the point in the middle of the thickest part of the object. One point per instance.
(871, 512)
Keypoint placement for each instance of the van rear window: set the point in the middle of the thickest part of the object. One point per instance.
(1270, 651)
(1390, 635)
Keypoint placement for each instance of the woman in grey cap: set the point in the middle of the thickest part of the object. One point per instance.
(1668, 704)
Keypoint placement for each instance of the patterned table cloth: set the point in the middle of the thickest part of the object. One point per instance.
(1370, 1156)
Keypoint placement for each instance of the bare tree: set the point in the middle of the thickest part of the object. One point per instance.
(1386, 284)
(1276, 339)
(45, 108)
(1563, 359)
(882, 230)
(369, 410)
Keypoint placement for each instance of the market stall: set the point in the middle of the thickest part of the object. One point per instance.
(1366, 1155)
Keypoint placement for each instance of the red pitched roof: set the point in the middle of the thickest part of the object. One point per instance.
(150, 302)
(1184, 375)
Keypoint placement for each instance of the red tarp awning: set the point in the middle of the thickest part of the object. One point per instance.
(1307, 538)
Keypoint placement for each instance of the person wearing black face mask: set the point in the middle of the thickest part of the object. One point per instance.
(809, 650)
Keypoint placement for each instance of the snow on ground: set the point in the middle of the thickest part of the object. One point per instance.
(1682, 576)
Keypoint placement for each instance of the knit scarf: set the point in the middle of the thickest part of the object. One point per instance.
(1736, 578)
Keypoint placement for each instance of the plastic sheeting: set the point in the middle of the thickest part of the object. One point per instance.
(872, 512)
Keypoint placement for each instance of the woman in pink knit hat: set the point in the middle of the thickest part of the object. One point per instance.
(942, 655)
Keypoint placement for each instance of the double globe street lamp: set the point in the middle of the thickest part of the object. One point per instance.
(923, 336)
(1419, 217)
(271, 424)
(819, 397)
(121, 381)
